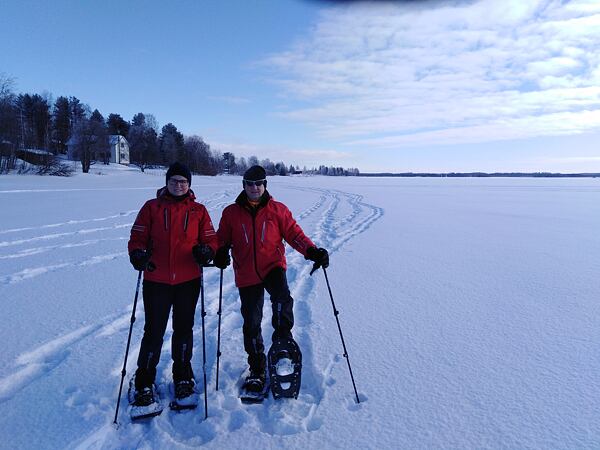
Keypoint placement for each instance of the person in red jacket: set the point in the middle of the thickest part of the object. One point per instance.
(254, 227)
(172, 235)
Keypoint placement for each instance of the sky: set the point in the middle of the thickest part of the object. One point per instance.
(400, 86)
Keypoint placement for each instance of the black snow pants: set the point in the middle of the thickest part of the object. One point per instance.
(282, 303)
(158, 299)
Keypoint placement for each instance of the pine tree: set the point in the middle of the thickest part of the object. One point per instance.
(117, 125)
(91, 140)
(171, 145)
(143, 141)
(61, 119)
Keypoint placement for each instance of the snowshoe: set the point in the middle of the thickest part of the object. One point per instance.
(143, 403)
(285, 368)
(184, 395)
(255, 387)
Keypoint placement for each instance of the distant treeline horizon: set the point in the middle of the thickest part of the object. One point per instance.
(480, 174)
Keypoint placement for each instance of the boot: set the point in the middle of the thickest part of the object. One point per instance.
(183, 379)
(255, 381)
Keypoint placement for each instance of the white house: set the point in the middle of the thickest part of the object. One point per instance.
(118, 147)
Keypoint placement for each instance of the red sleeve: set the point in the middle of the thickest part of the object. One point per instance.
(292, 233)
(224, 231)
(207, 231)
(140, 231)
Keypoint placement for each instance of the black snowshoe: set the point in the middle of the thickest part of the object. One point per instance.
(185, 395)
(285, 368)
(144, 403)
(255, 387)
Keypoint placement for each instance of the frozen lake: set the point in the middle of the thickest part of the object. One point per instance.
(469, 308)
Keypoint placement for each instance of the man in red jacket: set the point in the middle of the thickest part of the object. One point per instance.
(254, 227)
(171, 236)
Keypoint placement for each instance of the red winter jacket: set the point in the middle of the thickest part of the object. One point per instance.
(255, 236)
(170, 228)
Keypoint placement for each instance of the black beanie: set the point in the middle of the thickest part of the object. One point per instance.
(255, 173)
(179, 169)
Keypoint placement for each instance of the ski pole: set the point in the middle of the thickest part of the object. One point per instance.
(336, 313)
(219, 327)
(203, 314)
(124, 371)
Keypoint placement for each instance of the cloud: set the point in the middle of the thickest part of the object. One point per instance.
(411, 73)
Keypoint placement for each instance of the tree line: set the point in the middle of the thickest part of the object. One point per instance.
(37, 121)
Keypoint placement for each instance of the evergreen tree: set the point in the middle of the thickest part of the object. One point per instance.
(9, 124)
(138, 120)
(171, 145)
(35, 120)
(143, 142)
(281, 169)
(61, 120)
(117, 125)
(91, 140)
(77, 111)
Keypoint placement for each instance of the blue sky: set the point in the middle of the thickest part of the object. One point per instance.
(491, 85)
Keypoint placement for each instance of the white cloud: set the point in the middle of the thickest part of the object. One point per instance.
(406, 75)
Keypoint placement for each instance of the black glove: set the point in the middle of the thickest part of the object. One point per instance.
(222, 258)
(203, 254)
(139, 259)
(320, 256)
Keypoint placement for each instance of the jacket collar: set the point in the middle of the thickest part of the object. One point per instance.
(242, 200)
(163, 194)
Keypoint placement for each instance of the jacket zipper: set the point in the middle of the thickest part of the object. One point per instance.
(262, 237)
(245, 234)
(185, 222)
(254, 245)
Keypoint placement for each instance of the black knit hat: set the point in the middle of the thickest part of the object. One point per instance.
(255, 173)
(179, 169)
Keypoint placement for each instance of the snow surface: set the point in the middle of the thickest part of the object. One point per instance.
(469, 308)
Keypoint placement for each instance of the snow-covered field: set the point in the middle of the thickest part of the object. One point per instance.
(470, 309)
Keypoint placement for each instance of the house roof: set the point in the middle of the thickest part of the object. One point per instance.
(115, 138)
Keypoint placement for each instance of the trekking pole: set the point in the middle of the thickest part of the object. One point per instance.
(124, 371)
(203, 314)
(219, 327)
(336, 313)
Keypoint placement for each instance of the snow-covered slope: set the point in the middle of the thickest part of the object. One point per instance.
(468, 306)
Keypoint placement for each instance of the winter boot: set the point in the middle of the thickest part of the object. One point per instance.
(142, 391)
(144, 401)
(184, 395)
(144, 397)
(255, 381)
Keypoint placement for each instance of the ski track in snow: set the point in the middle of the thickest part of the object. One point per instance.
(71, 222)
(331, 230)
(32, 272)
(42, 360)
(216, 202)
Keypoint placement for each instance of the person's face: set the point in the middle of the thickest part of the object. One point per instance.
(254, 189)
(178, 185)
